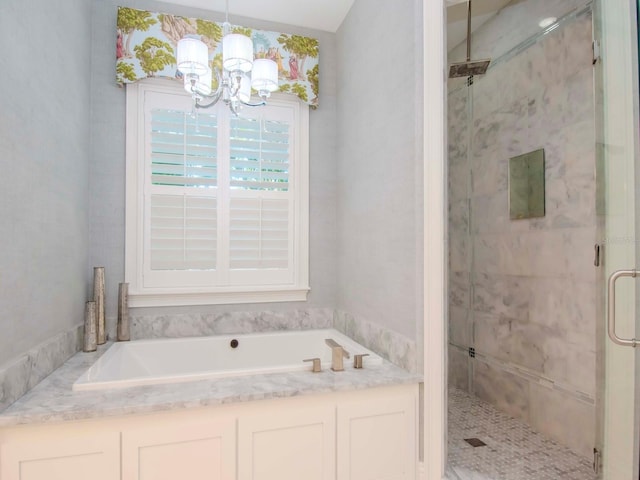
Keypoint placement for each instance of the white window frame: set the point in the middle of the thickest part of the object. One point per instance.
(141, 295)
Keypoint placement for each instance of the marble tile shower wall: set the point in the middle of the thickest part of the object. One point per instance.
(513, 24)
(523, 293)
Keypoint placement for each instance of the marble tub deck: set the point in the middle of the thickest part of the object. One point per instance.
(53, 400)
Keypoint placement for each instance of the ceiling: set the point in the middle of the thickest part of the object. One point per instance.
(328, 15)
(324, 15)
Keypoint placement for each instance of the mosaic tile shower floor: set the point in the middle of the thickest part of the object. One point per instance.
(513, 451)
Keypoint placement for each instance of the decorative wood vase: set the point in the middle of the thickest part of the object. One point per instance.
(98, 297)
(124, 333)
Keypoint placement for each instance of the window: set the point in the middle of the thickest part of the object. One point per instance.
(217, 205)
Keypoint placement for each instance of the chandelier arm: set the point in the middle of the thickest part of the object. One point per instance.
(220, 83)
(213, 97)
(259, 104)
(195, 91)
(233, 90)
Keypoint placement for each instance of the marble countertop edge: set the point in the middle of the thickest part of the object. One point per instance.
(53, 399)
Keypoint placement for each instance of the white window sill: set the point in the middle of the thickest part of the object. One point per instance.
(167, 299)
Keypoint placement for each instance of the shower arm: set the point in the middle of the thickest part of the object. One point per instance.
(469, 31)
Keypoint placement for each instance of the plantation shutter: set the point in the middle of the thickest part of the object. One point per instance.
(183, 232)
(183, 149)
(259, 233)
(219, 195)
(260, 154)
(181, 192)
(217, 205)
(261, 200)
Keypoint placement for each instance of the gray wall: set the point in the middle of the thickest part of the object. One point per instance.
(63, 137)
(380, 164)
(523, 292)
(44, 150)
(108, 162)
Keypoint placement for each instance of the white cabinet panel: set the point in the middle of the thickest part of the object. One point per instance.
(194, 449)
(363, 435)
(61, 454)
(287, 442)
(376, 438)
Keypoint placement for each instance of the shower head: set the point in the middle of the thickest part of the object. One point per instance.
(469, 68)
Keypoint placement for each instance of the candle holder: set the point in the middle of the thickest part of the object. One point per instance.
(124, 333)
(98, 297)
(90, 334)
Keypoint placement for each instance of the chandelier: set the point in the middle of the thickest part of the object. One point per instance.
(240, 72)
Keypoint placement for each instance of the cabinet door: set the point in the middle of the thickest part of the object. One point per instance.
(67, 454)
(287, 442)
(194, 449)
(377, 436)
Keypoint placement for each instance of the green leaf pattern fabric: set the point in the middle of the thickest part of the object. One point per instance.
(146, 46)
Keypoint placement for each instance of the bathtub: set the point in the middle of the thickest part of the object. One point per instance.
(148, 362)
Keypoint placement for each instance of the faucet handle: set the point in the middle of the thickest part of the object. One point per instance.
(357, 360)
(316, 367)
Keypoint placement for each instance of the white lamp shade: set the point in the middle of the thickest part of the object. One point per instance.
(244, 93)
(237, 52)
(192, 57)
(203, 83)
(264, 75)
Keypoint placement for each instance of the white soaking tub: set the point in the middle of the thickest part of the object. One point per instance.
(148, 362)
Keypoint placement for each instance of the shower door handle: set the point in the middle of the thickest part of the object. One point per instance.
(611, 312)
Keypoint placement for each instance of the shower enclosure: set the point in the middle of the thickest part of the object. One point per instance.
(527, 292)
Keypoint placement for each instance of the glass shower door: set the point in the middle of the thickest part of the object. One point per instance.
(618, 171)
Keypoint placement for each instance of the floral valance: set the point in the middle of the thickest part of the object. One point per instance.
(147, 41)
